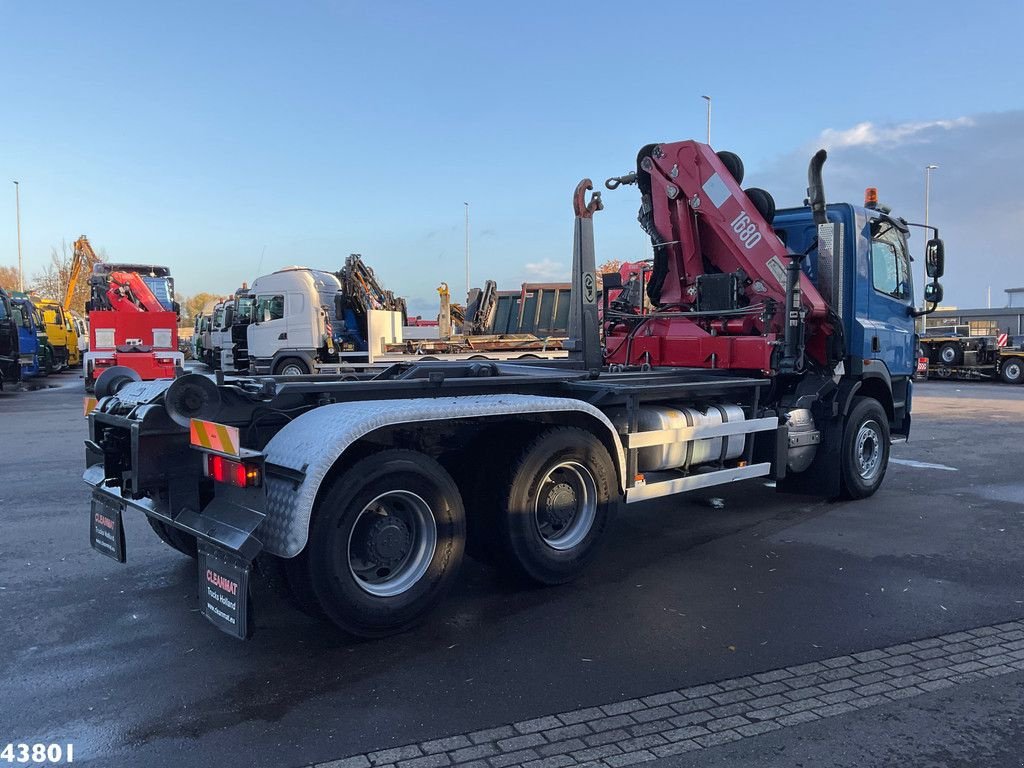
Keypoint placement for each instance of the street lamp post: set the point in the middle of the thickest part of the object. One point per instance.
(708, 100)
(467, 250)
(17, 209)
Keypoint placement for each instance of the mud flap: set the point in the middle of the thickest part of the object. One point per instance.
(224, 597)
(106, 529)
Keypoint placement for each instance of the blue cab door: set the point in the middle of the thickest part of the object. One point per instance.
(889, 334)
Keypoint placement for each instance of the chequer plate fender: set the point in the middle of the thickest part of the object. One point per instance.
(314, 441)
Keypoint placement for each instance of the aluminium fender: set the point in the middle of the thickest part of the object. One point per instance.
(314, 441)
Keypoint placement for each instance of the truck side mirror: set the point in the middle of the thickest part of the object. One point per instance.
(933, 292)
(935, 258)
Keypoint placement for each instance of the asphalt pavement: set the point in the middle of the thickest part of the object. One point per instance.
(732, 583)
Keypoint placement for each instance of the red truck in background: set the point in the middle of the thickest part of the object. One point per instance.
(133, 322)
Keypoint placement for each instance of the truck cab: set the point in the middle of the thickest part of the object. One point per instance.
(290, 332)
(866, 277)
(35, 357)
(57, 332)
(10, 367)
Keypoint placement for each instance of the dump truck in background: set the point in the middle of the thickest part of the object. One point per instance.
(133, 322)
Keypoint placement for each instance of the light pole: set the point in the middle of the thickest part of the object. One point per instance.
(467, 250)
(708, 100)
(17, 209)
(927, 194)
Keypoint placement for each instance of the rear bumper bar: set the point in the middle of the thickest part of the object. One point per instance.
(228, 523)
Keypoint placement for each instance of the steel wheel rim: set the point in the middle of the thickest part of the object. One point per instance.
(1013, 371)
(868, 450)
(565, 506)
(948, 355)
(292, 370)
(392, 543)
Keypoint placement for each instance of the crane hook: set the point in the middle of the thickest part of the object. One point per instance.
(583, 209)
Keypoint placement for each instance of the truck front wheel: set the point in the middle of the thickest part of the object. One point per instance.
(1012, 370)
(865, 449)
(291, 366)
(557, 505)
(386, 542)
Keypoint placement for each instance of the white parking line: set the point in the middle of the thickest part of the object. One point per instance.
(922, 465)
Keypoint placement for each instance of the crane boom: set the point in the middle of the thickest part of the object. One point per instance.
(82, 254)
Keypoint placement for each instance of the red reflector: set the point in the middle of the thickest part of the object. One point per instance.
(238, 476)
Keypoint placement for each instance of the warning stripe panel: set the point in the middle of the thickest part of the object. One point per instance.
(215, 437)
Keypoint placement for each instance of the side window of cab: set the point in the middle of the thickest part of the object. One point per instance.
(269, 308)
(890, 265)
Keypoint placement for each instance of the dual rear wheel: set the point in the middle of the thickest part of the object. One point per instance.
(388, 534)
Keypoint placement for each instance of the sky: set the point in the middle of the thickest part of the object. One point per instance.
(229, 139)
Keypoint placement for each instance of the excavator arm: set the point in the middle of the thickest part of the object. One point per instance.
(82, 255)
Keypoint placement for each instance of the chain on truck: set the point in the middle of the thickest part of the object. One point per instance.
(772, 344)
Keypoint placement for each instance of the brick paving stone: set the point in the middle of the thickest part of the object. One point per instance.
(871, 690)
(730, 709)
(521, 742)
(605, 737)
(567, 732)
(774, 675)
(513, 758)
(868, 666)
(643, 729)
(929, 653)
(690, 732)
(596, 753)
(622, 707)
(492, 734)
(429, 761)
(358, 761)
(662, 698)
(767, 714)
(579, 716)
(560, 747)
(904, 693)
(725, 723)
(656, 713)
(382, 756)
(869, 701)
(803, 693)
(798, 718)
(834, 709)
(607, 723)
(736, 682)
(872, 677)
(691, 718)
(445, 745)
(838, 697)
(731, 697)
(838, 685)
(693, 705)
(839, 661)
(474, 753)
(756, 729)
(641, 742)
(537, 724)
(722, 737)
(676, 748)
(630, 758)
(766, 701)
(767, 689)
(802, 706)
(700, 690)
(869, 655)
(803, 669)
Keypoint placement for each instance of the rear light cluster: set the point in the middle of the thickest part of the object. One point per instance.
(236, 473)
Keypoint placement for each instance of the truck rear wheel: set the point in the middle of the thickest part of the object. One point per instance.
(174, 538)
(1012, 370)
(557, 505)
(950, 353)
(865, 448)
(386, 542)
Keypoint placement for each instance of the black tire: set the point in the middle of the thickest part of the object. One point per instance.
(733, 164)
(865, 450)
(342, 541)
(1012, 370)
(291, 362)
(535, 537)
(175, 539)
(951, 354)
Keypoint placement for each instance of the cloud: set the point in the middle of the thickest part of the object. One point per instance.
(976, 200)
(868, 133)
(546, 271)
